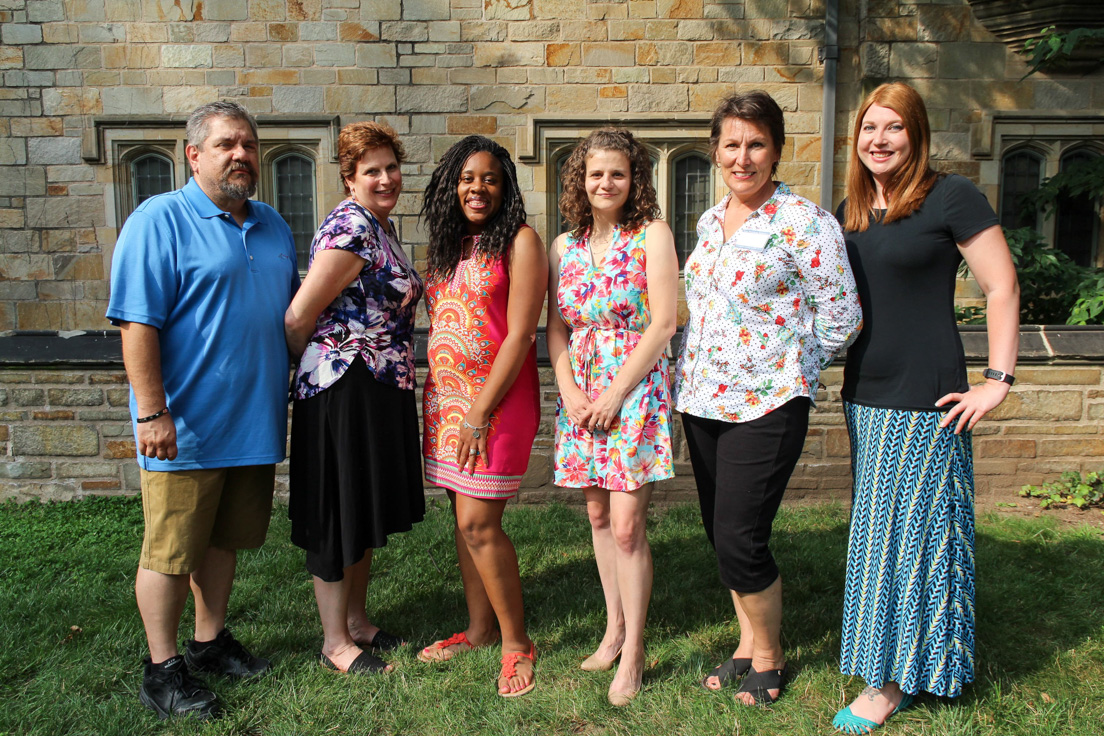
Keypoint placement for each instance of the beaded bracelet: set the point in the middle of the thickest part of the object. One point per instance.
(151, 417)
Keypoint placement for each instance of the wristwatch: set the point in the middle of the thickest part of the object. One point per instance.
(999, 375)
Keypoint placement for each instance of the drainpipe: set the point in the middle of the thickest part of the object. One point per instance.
(828, 54)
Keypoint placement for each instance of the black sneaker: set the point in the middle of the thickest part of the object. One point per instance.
(168, 689)
(223, 656)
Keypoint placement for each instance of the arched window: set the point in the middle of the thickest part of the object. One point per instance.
(150, 174)
(690, 192)
(293, 177)
(1076, 219)
(1021, 173)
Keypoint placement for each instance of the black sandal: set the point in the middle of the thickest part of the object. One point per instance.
(364, 664)
(759, 684)
(382, 642)
(732, 668)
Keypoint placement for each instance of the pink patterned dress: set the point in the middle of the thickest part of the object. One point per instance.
(467, 316)
(606, 309)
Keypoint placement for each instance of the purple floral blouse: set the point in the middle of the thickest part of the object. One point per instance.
(373, 317)
(769, 308)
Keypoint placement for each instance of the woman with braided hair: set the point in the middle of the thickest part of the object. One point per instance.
(485, 287)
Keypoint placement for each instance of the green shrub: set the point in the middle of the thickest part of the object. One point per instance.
(1071, 490)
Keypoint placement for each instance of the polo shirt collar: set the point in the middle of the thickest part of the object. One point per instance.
(203, 205)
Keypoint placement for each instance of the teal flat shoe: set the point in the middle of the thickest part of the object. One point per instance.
(849, 723)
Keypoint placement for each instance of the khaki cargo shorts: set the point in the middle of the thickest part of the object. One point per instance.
(187, 511)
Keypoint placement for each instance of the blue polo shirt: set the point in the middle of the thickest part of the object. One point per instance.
(217, 293)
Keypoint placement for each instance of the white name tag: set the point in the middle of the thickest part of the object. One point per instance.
(749, 239)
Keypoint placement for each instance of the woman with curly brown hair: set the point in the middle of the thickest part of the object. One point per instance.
(611, 315)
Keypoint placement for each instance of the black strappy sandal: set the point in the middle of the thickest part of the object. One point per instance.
(732, 668)
(759, 685)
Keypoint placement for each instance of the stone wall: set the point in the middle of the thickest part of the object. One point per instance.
(440, 69)
(65, 431)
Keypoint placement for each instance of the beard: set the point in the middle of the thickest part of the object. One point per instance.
(235, 190)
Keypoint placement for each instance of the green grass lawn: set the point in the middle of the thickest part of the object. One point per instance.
(71, 641)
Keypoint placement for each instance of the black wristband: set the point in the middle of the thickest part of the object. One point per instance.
(999, 375)
(151, 417)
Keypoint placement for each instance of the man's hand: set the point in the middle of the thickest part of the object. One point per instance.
(157, 439)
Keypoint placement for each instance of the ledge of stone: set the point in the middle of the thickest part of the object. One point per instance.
(92, 348)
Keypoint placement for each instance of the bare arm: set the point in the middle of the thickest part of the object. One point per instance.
(528, 280)
(989, 260)
(662, 273)
(142, 358)
(576, 402)
(331, 271)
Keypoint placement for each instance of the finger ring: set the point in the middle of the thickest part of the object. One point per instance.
(476, 434)
(475, 452)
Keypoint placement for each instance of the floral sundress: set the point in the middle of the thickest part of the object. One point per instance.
(606, 309)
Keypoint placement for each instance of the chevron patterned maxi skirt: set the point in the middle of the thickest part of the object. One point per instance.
(908, 610)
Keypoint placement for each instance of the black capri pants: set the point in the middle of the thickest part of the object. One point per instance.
(741, 471)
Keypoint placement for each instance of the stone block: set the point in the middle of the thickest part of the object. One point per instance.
(609, 54)
(87, 10)
(26, 266)
(19, 241)
(54, 150)
(472, 124)
(627, 30)
(297, 99)
(318, 31)
(428, 76)
(227, 10)
(431, 98)
(375, 55)
(102, 33)
(283, 32)
(62, 57)
(44, 11)
(563, 54)
(573, 9)
(696, 30)
(196, 56)
(973, 61)
(11, 57)
(572, 99)
(1079, 448)
(120, 449)
(627, 75)
(993, 447)
(471, 76)
(334, 54)
(132, 101)
(311, 10)
(719, 53)
(1055, 405)
(501, 10)
(28, 397)
(913, 60)
(300, 54)
(683, 9)
(659, 98)
(583, 30)
(13, 152)
(55, 415)
(77, 212)
(62, 441)
(1062, 94)
(403, 31)
(371, 100)
(874, 60)
(29, 79)
(17, 470)
(509, 54)
(505, 99)
(350, 31)
(18, 34)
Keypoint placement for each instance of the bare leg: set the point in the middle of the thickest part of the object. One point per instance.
(333, 609)
(876, 704)
(481, 614)
(605, 555)
(745, 648)
(764, 616)
(492, 554)
(161, 600)
(211, 583)
(358, 575)
(628, 521)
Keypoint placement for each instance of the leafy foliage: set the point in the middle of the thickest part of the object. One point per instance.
(1079, 178)
(971, 315)
(1053, 51)
(1049, 279)
(1071, 490)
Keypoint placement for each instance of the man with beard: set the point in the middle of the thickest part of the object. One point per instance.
(200, 281)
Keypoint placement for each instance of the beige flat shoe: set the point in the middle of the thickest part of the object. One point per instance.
(594, 663)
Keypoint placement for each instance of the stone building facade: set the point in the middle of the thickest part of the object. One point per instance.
(94, 94)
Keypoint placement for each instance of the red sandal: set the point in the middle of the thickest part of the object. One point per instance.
(509, 669)
(446, 649)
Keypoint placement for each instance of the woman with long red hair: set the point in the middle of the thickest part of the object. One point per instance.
(908, 620)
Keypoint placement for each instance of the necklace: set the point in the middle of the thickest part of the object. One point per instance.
(597, 247)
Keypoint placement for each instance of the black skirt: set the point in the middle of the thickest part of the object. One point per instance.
(356, 473)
